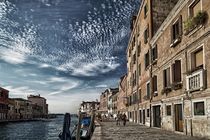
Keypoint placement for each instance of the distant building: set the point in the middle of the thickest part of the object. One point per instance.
(112, 98)
(4, 95)
(88, 106)
(122, 100)
(37, 100)
(12, 112)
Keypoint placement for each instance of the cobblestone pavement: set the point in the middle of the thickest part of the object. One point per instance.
(109, 131)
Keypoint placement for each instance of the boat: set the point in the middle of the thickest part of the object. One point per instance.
(85, 128)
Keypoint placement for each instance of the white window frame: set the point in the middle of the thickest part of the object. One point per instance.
(205, 112)
(191, 52)
(192, 4)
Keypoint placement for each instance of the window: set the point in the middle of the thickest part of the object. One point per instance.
(176, 31)
(168, 110)
(129, 52)
(154, 84)
(197, 59)
(194, 8)
(145, 10)
(146, 35)
(139, 49)
(199, 108)
(147, 112)
(134, 58)
(133, 42)
(134, 78)
(154, 53)
(176, 72)
(139, 69)
(148, 89)
(146, 59)
(166, 77)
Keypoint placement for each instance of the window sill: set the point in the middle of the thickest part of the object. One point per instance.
(177, 85)
(175, 42)
(199, 116)
(166, 90)
(154, 62)
(193, 30)
(155, 94)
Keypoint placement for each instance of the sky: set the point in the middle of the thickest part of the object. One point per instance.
(68, 51)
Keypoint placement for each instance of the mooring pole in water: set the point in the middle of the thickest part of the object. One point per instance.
(91, 123)
(66, 135)
(79, 126)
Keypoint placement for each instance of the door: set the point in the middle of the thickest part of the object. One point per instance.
(156, 116)
(135, 116)
(178, 118)
(140, 115)
(143, 116)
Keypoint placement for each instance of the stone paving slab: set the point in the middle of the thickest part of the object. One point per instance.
(109, 131)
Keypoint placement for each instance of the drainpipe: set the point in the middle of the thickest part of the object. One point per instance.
(137, 85)
(151, 85)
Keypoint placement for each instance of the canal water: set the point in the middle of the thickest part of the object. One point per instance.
(37, 130)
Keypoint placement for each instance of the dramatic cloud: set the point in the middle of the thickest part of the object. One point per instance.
(65, 50)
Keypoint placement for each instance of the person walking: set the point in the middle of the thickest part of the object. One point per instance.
(124, 119)
(118, 119)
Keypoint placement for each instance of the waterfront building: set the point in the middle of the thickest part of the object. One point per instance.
(122, 96)
(41, 102)
(105, 107)
(89, 106)
(4, 95)
(23, 108)
(114, 104)
(112, 100)
(12, 112)
(150, 17)
(168, 70)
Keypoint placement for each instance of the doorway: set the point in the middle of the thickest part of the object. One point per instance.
(140, 116)
(178, 118)
(156, 116)
(144, 116)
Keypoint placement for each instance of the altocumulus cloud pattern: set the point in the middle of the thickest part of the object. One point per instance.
(69, 48)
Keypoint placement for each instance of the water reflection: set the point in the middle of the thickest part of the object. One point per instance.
(33, 130)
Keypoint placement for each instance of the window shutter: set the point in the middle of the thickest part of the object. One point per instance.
(180, 25)
(177, 71)
(173, 72)
(172, 34)
(164, 78)
(154, 84)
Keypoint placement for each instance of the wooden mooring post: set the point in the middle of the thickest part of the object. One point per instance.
(79, 126)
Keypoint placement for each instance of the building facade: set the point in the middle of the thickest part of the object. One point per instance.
(168, 70)
(150, 17)
(23, 108)
(88, 107)
(39, 101)
(122, 96)
(106, 101)
(4, 97)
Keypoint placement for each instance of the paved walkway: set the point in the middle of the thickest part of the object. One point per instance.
(109, 131)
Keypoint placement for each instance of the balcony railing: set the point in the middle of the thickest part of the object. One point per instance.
(195, 81)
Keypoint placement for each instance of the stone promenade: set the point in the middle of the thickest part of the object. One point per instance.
(109, 131)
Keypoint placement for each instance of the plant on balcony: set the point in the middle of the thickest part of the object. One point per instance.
(191, 23)
(166, 90)
(176, 85)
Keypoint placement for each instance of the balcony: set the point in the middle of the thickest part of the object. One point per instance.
(195, 81)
